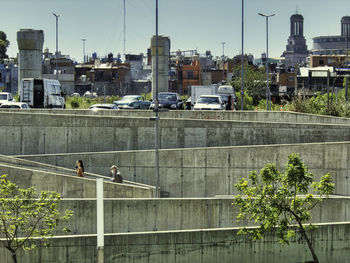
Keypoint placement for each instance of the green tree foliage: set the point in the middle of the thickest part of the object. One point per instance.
(273, 199)
(254, 81)
(331, 103)
(4, 44)
(25, 216)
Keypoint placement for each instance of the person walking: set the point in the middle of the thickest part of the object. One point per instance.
(116, 176)
(79, 168)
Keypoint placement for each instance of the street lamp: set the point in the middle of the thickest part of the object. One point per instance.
(268, 92)
(242, 60)
(56, 16)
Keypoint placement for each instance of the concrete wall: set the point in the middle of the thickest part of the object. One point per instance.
(206, 172)
(140, 215)
(70, 186)
(25, 133)
(271, 116)
(331, 243)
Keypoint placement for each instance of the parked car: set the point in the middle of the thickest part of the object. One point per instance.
(103, 106)
(75, 94)
(5, 97)
(14, 105)
(132, 102)
(169, 100)
(209, 102)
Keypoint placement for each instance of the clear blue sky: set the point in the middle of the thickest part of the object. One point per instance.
(190, 24)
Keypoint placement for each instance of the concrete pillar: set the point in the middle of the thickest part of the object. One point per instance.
(163, 66)
(30, 46)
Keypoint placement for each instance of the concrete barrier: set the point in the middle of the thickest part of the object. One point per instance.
(330, 241)
(266, 116)
(206, 172)
(70, 186)
(26, 133)
(140, 215)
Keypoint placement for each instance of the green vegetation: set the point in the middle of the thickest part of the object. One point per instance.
(25, 216)
(275, 200)
(4, 44)
(85, 103)
(324, 104)
(254, 81)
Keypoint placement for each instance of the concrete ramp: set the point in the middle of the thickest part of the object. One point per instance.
(51, 178)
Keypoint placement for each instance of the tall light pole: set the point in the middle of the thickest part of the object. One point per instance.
(242, 60)
(83, 39)
(156, 110)
(268, 92)
(124, 27)
(56, 16)
(347, 62)
(223, 57)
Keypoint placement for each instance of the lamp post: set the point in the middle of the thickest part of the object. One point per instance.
(268, 92)
(83, 39)
(156, 110)
(56, 16)
(242, 60)
(347, 63)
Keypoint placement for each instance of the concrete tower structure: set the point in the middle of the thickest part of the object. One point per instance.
(30, 46)
(296, 49)
(345, 26)
(163, 63)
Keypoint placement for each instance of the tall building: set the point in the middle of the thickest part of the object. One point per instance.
(296, 49)
(333, 45)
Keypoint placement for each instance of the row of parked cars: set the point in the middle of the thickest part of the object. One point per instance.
(167, 100)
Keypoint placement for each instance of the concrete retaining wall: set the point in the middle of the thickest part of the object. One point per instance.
(206, 172)
(25, 133)
(272, 116)
(140, 215)
(331, 243)
(70, 186)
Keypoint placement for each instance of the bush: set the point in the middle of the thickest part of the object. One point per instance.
(74, 103)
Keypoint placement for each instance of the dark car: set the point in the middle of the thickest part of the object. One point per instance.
(169, 100)
(132, 102)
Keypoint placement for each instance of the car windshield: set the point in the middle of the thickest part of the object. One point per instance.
(169, 97)
(129, 98)
(208, 100)
(3, 97)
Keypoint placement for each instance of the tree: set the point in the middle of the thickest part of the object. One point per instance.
(277, 200)
(254, 81)
(24, 216)
(4, 44)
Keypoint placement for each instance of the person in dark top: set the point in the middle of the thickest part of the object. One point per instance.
(116, 176)
(79, 168)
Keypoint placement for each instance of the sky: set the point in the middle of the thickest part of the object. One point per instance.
(190, 24)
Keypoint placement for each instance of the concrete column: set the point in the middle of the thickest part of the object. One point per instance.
(30, 46)
(163, 58)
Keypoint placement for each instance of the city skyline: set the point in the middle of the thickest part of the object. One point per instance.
(194, 24)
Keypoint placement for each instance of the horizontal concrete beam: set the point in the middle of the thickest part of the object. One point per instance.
(330, 242)
(140, 215)
(206, 172)
(269, 116)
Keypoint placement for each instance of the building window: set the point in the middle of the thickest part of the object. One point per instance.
(321, 62)
(189, 74)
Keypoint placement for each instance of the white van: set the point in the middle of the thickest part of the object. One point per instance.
(41, 93)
